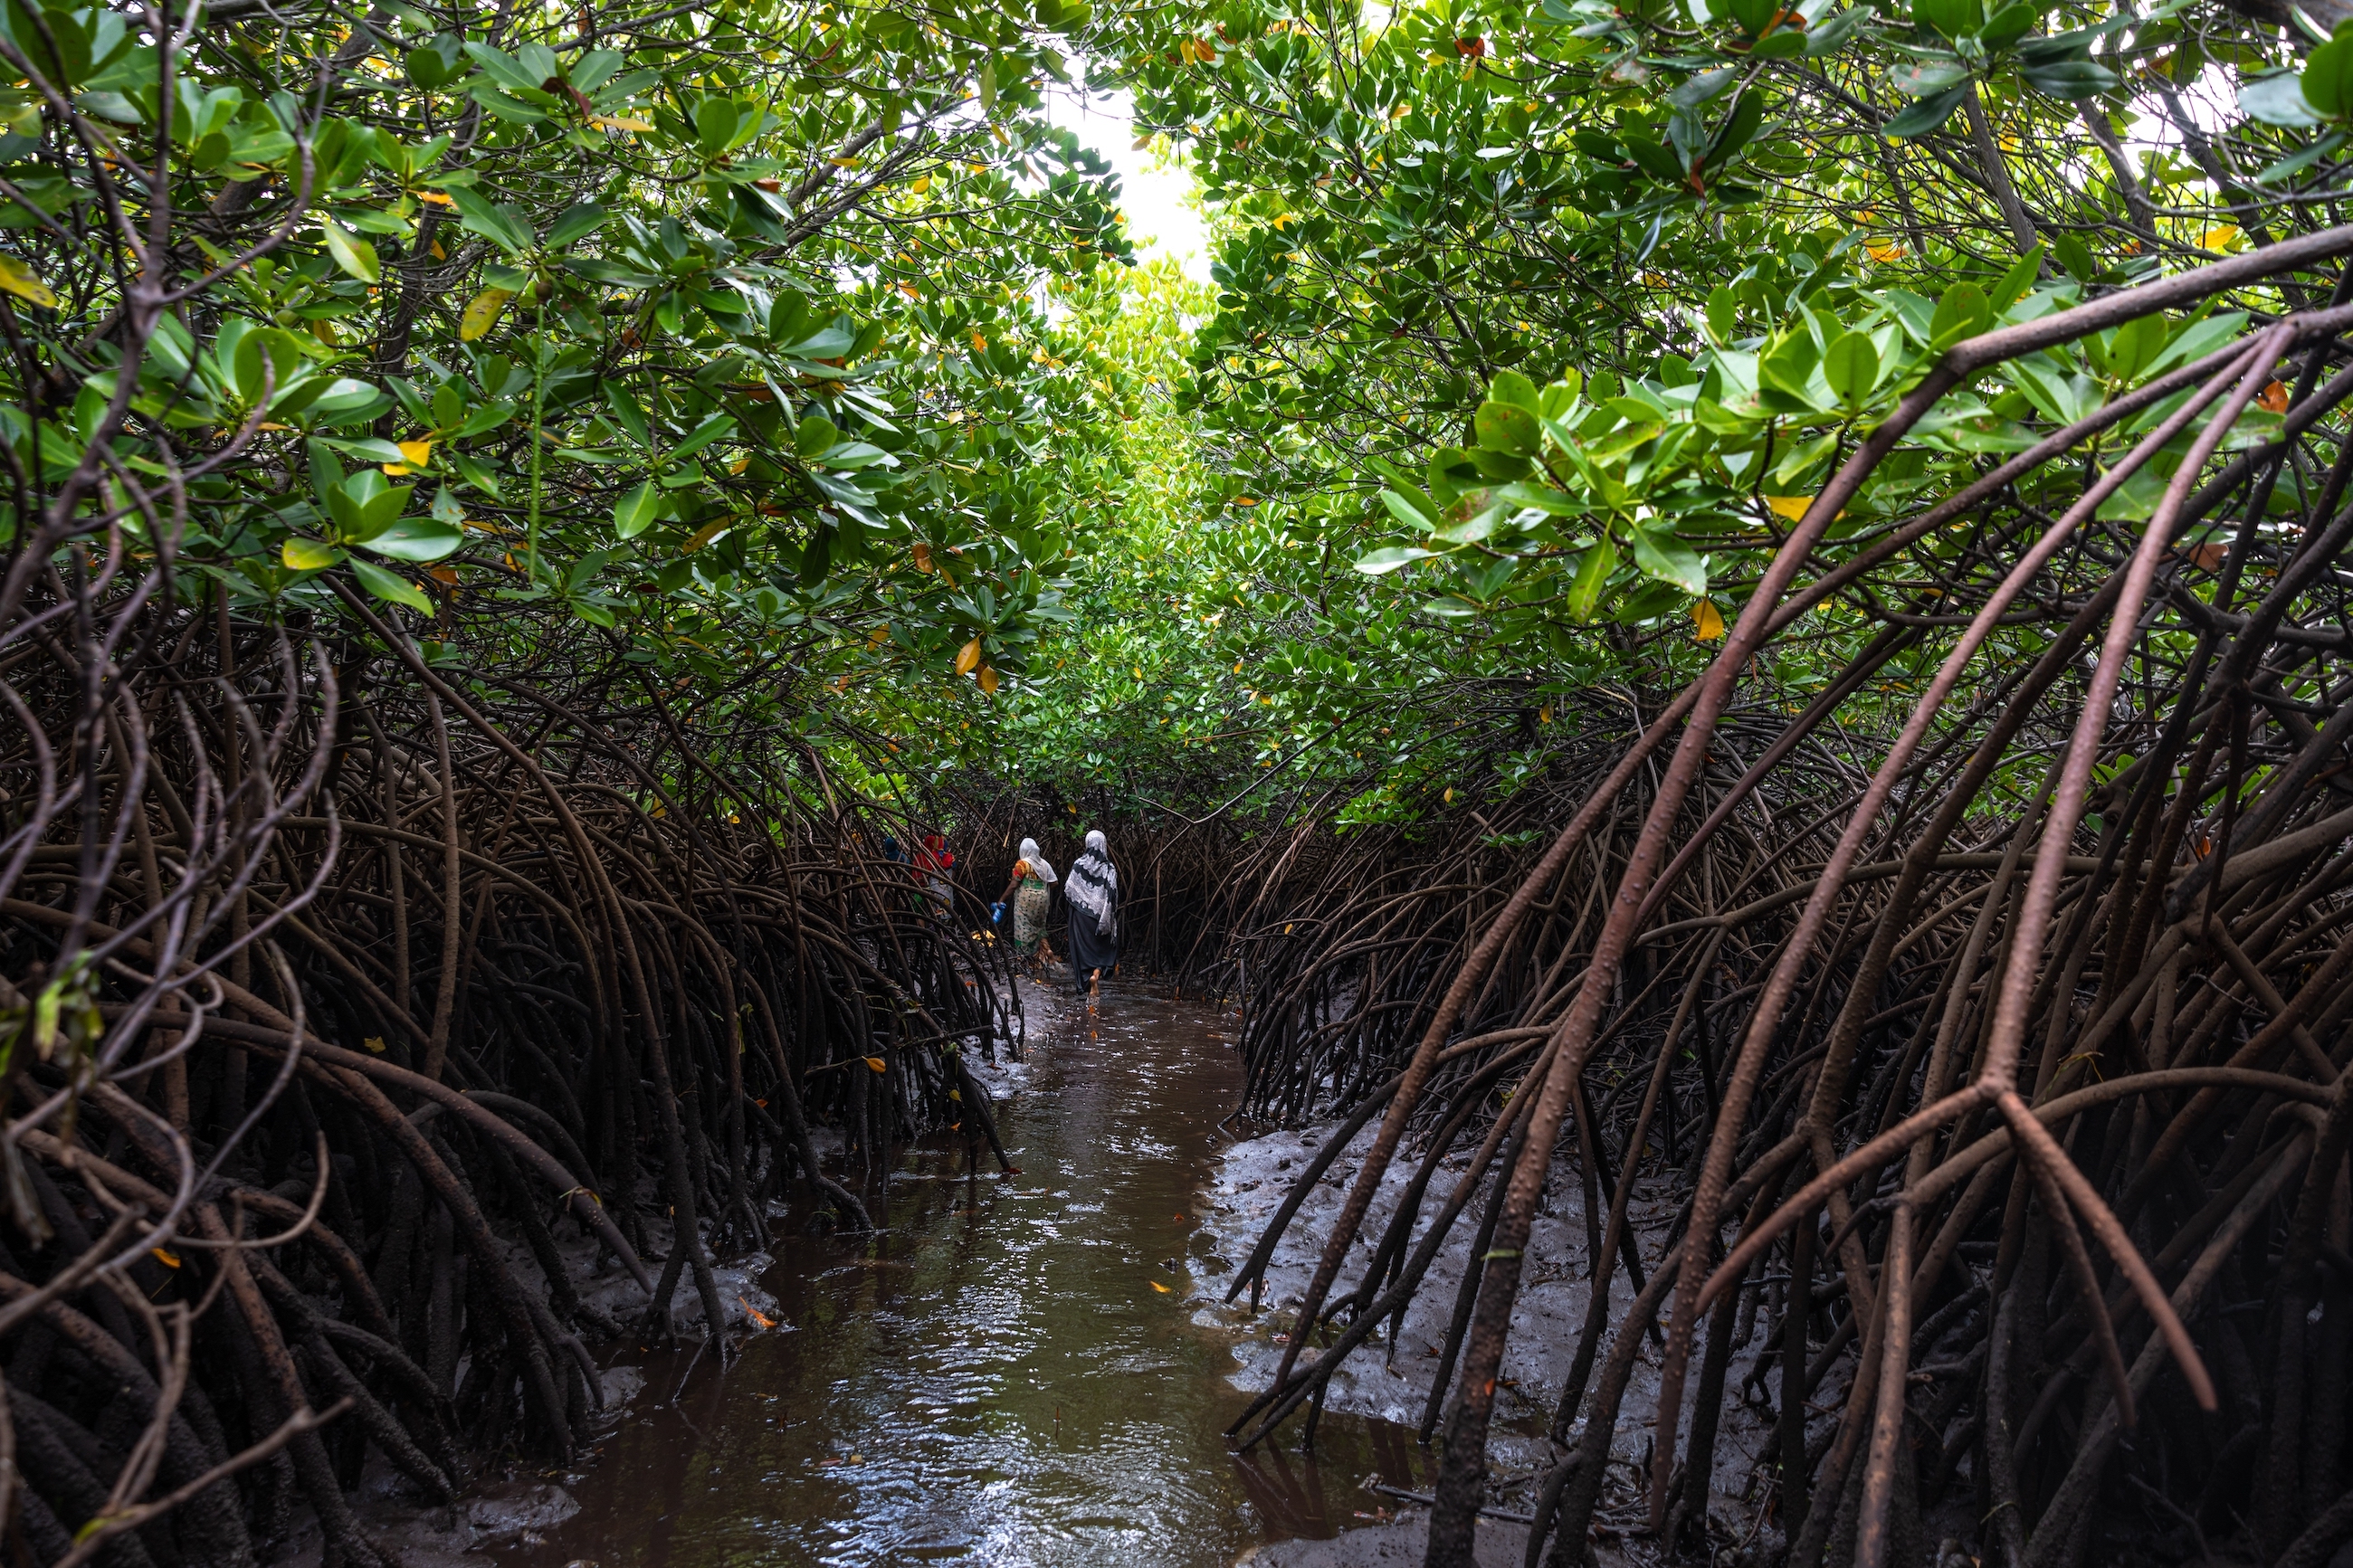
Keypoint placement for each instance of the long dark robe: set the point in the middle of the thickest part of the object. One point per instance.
(1091, 948)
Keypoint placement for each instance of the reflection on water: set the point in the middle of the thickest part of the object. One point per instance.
(994, 1379)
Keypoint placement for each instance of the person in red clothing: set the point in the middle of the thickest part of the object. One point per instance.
(931, 864)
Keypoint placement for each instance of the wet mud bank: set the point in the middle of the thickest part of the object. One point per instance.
(1017, 1369)
(1390, 1377)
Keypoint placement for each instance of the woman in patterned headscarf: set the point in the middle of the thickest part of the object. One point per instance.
(1093, 889)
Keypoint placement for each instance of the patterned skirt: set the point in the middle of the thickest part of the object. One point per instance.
(1031, 906)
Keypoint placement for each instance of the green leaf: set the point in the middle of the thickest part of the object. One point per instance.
(634, 512)
(1508, 427)
(1659, 554)
(372, 450)
(2018, 280)
(1963, 312)
(1704, 88)
(414, 538)
(1593, 570)
(1828, 38)
(352, 254)
(2070, 78)
(1789, 364)
(1382, 562)
(2074, 255)
(2299, 162)
(59, 47)
(1740, 127)
(1723, 314)
(503, 68)
(1925, 78)
(1926, 114)
(2278, 100)
(1850, 364)
(1655, 160)
(576, 222)
(2135, 346)
(715, 120)
(2328, 79)
(816, 438)
(427, 69)
(476, 474)
(309, 554)
(1410, 512)
(2009, 25)
(1953, 18)
(504, 226)
(1512, 388)
(712, 428)
(391, 586)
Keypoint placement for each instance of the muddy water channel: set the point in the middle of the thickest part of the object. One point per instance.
(1016, 1372)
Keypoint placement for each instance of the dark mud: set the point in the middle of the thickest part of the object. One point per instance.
(1010, 1374)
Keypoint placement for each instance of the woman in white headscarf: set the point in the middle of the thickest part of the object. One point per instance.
(1031, 893)
(1093, 889)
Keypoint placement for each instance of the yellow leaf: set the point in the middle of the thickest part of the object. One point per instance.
(706, 533)
(843, 162)
(2217, 236)
(418, 453)
(19, 279)
(1156, 1285)
(1245, 500)
(1710, 622)
(754, 1313)
(620, 122)
(1882, 250)
(375, 1043)
(1139, 672)
(968, 657)
(922, 184)
(436, 198)
(877, 1064)
(482, 314)
(923, 557)
(307, 554)
(978, 343)
(1791, 507)
(988, 678)
(163, 1257)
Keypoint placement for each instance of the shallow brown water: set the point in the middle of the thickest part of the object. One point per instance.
(992, 1380)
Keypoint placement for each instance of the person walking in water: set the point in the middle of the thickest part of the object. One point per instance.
(1031, 893)
(1092, 890)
